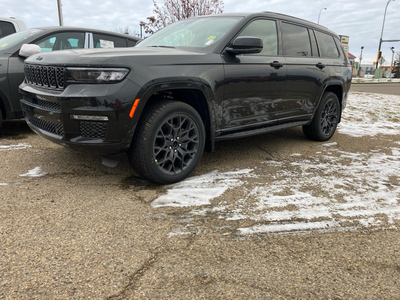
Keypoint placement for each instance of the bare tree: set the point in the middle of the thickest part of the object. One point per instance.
(127, 30)
(176, 10)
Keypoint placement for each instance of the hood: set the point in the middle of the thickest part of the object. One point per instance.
(112, 57)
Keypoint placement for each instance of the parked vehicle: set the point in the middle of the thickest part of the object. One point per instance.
(189, 85)
(44, 39)
(10, 25)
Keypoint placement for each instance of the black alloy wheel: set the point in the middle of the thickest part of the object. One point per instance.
(326, 119)
(329, 117)
(169, 142)
(176, 144)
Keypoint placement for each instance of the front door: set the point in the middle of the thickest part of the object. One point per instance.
(254, 83)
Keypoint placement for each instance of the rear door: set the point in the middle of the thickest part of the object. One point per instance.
(306, 71)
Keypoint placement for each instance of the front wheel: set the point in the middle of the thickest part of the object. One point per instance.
(169, 142)
(326, 119)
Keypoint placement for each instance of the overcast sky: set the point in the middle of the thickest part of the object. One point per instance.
(361, 20)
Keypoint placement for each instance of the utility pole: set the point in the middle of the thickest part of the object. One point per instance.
(380, 40)
(60, 16)
(359, 67)
(391, 62)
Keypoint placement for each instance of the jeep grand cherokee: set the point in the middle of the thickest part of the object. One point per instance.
(189, 85)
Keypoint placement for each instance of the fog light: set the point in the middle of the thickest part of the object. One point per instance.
(89, 118)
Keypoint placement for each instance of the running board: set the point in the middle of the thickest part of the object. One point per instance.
(258, 131)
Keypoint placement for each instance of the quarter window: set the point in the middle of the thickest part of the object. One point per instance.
(107, 41)
(296, 41)
(327, 46)
(265, 30)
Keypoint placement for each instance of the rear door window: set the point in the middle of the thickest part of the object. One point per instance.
(296, 40)
(108, 41)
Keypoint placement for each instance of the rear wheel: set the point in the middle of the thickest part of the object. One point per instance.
(1, 117)
(169, 142)
(326, 119)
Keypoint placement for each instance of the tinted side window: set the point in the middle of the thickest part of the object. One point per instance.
(296, 41)
(61, 41)
(265, 30)
(327, 46)
(6, 28)
(108, 41)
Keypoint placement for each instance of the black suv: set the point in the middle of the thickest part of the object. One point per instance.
(187, 86)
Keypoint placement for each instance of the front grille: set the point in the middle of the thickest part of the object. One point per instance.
(45, 76)
(93, 129)
(54, 106)
(45, 125)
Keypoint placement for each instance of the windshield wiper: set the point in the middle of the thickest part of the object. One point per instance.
(161, 46)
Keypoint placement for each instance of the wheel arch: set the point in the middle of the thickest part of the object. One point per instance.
(195, 94)
(337, 89)
(4, 105)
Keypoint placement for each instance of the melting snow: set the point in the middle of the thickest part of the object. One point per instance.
(331, 190)
(201, 189)
(36, 172)
(15, 147)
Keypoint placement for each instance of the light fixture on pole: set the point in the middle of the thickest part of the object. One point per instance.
(359, 67)
(380, 40)
(391, 62)
(321, 12)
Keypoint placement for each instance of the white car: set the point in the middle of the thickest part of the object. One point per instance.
(10, 25)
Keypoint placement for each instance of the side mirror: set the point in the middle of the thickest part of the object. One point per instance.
(29, 49)
(245, 45)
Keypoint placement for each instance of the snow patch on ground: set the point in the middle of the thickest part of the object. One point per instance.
(15, 147)
(330, 190)
(370, 115)
(36, 172)
(200, 190)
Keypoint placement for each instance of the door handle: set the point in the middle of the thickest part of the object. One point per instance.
(276, 64)
(320, 65)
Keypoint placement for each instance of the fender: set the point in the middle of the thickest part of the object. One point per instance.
(175, 83)
(327, 86)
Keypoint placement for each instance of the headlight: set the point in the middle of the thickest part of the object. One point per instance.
(98, 75)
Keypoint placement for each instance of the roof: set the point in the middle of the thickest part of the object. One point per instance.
(71, 28)
(349, 55)
(273, 15)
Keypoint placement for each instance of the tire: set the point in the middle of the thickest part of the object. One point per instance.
(326, 119)
(1, 117)
(169, 142)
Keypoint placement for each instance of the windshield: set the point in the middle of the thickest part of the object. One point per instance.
(16, 38)
(195, 33)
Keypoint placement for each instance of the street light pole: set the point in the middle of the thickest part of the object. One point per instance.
(391, 62)
(60, 14)
(380, 40)
(359, 67)
(321, 12)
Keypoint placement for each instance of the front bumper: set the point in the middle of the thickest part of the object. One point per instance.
(52, 114)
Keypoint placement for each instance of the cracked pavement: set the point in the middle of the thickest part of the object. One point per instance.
(80, 230)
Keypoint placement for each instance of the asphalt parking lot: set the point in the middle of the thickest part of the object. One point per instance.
(271, 217)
